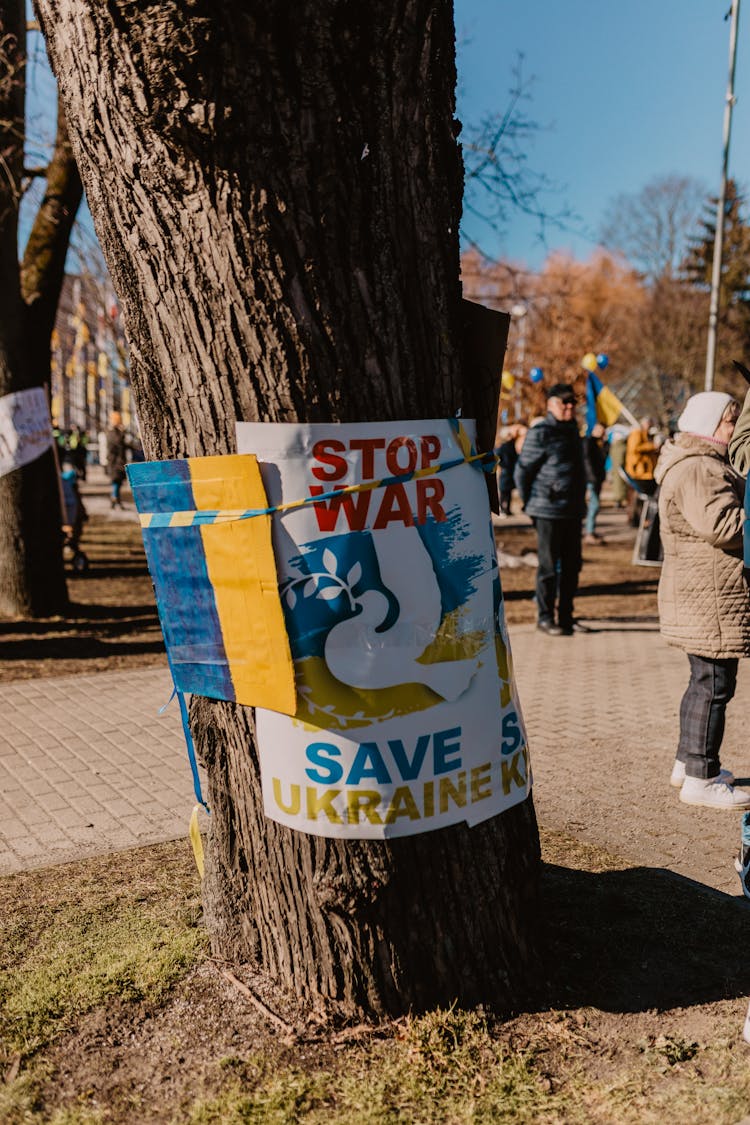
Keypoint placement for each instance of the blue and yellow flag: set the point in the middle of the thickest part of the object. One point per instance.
(602, 405)
(215, 581)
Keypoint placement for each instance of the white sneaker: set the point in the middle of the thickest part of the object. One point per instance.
(742, 867)
(746, 1028)
(713, 793)
(678, 775)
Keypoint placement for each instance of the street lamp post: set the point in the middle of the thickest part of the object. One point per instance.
(713, 314)
(518, 312)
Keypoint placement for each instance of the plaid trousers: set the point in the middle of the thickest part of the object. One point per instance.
(703, 713)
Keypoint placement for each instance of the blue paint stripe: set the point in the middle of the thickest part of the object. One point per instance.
(187, 608)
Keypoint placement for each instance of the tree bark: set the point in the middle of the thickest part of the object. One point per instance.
(32, 577)
(276, 188)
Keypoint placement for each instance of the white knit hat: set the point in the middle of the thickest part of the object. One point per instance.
(703, 412)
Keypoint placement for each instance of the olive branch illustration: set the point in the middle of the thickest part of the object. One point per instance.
(325, 584)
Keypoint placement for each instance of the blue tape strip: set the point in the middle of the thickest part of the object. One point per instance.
(188, 737)
(164, 706)
(191, 751)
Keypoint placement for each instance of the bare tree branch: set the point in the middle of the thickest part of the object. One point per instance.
(499, 179)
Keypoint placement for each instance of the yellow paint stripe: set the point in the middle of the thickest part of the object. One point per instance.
(242, 570)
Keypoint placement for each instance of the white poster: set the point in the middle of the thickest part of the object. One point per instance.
(407, 719)
(25, 428)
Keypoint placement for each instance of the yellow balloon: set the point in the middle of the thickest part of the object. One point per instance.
(589, 362)
(507, 381)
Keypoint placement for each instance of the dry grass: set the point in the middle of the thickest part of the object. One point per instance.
(111, 1011)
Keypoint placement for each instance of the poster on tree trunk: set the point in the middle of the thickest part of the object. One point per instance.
(25, 428)
(406, 718)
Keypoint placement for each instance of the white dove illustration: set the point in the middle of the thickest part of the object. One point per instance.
(360, 656)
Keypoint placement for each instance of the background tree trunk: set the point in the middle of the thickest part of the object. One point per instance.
(32, 577)
(276, 187)
(43, 263)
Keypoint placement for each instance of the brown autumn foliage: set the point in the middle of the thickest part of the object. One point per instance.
(572, 308)
(654, 332)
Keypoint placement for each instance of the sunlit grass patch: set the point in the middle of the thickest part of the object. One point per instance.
(128, 936)
(442, 1067)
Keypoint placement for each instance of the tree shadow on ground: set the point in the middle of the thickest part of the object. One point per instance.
(112, 571)
(121, 618)
(77, 648)
(641, 938)
(627, 588)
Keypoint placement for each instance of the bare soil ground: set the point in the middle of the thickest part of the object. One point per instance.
(610, 587)
(112, 623)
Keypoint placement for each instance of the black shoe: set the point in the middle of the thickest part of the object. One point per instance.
(550, 628)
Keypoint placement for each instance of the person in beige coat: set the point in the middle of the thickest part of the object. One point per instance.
(739, 443)
(704, 606)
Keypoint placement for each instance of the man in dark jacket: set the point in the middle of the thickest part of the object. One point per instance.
(551, 482)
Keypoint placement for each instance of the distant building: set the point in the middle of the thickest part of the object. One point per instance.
(90, 368)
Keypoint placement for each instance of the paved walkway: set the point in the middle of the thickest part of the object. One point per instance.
(602, 715)
(87, 765)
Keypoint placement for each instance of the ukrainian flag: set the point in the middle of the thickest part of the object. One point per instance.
(602, 405)
(214, 575)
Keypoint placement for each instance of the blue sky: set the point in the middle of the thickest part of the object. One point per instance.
(626, 91)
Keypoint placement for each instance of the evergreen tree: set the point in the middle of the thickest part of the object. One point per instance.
(734, 288)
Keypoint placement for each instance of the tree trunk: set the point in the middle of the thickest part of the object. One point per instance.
(276, 188)
(43, 264)
(32, 578)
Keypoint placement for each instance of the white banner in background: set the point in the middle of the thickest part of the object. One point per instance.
(407, 719)
(25, 428)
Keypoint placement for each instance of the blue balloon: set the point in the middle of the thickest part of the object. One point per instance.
(602, 361)
(536, 374)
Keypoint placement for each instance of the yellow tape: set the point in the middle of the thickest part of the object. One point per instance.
(196, 841)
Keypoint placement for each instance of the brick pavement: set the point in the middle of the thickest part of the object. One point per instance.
(87, 765)
(602, 716)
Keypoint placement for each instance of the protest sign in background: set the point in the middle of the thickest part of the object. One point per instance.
(25, 428)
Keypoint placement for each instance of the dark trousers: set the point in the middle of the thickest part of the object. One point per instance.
(703, 713)
(559, 550)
